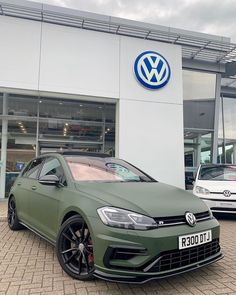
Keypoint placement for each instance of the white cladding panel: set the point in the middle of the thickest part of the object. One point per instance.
(19, 51)
(151, 121)
(151, 137)
(131, 89)
(79, 61)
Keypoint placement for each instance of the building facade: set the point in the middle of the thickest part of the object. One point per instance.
(74, 80)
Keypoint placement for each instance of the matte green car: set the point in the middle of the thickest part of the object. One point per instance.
(110, 220)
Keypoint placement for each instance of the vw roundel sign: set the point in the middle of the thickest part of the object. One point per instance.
(152, 70)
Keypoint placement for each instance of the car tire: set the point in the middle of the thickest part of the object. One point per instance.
(12, 218)
(75, 249)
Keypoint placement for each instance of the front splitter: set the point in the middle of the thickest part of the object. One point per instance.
(142, 279)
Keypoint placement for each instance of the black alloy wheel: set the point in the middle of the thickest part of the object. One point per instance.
(75, 249)
(12, 218)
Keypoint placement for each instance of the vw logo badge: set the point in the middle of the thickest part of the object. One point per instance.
(152, 70)
(227, 193)
(190, 218)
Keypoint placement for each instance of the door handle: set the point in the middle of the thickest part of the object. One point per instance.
(33, 188)
(18, 183)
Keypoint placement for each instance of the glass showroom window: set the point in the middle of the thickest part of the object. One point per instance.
(227, 131)
(1, 103)
(22, 105)
(73, 124)
(199, 112)
(1, 100)
(22, 126)
(21, 144)
(109, 132)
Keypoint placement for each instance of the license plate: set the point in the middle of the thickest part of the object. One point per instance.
(195, 239)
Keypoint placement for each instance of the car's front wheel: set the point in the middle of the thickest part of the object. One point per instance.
(12, 217)
(75, 249)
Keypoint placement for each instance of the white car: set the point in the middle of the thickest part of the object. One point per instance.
(216, 185)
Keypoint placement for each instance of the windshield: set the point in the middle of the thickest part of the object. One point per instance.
(95, 169)
(221, 173)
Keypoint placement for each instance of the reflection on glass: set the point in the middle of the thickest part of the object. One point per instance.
(110, 139)
(19, 105)
(71, 110)
(104, 170)
(21, 144)
(229, 106)
(197, 148)
(227, 131)
(62, 124)
(199, 99)
(198, 85)
(1, 103)
(221, 173)
(54, 129)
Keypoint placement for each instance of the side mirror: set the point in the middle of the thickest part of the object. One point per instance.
(52, 180)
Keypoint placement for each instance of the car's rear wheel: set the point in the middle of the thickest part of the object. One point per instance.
(12, 217)
(75, 249)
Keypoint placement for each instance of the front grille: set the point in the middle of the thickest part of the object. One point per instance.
(171, 260)
(177, 220)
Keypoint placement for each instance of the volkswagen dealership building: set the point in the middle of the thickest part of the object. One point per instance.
(159, 97)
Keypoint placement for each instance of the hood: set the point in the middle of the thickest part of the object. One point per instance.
(217, 186)
(151, 198)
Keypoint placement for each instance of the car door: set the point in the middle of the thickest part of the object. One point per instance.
(44, 204)
(24, 188)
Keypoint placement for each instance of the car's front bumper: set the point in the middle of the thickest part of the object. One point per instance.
(143, 278)
(220, 205)
(138, 251)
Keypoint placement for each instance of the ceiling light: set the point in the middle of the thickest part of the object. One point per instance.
(66, 124)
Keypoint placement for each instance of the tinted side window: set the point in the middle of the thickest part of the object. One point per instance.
(52, 166)
(26, 169)
(34, 168)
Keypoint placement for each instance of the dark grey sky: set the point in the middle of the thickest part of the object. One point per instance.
(208, 16)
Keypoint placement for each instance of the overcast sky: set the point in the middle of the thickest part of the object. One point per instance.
(209, 16)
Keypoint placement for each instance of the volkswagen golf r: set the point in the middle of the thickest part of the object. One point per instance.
(110, 220)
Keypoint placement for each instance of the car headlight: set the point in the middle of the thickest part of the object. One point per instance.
(125, 219)
(201, 190)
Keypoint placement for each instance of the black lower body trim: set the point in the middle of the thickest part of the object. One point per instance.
(141, 279)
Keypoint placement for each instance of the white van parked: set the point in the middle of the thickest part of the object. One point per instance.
(216, 185)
